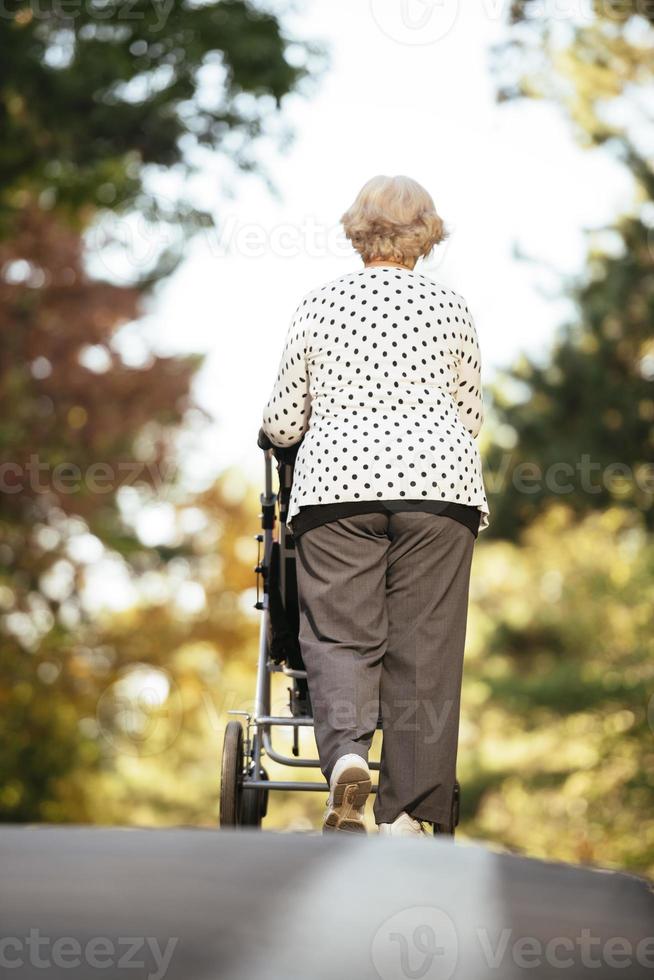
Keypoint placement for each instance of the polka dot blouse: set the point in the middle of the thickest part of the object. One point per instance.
(380, 374)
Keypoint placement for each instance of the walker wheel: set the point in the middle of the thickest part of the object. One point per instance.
(231, 779)
(254, 803)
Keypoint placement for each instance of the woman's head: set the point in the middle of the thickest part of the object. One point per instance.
(393, 219)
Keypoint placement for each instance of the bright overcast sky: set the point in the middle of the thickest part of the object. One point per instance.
(396, 98)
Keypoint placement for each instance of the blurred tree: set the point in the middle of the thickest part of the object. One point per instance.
(101, 106)
(585, 420)
(556, 739)
(94, 95)
(556, 755)
(77, 425)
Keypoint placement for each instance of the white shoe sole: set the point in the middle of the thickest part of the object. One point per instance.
(349, 795)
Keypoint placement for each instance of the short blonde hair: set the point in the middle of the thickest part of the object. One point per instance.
(393, 218)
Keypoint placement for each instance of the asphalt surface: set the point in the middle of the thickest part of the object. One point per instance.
(244, 905)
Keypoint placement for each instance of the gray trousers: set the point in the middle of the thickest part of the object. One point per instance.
(383, 609)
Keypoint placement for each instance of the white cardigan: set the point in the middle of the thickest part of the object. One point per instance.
(381, 375)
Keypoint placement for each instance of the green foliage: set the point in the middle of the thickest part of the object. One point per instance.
(93, 93)
(587, 419)
(590, 408)
(557, 757)
(556, 749)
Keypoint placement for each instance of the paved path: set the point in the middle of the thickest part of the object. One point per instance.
(244, 905)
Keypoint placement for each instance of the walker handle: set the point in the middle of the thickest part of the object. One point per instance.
(263, 442)
(283, 454)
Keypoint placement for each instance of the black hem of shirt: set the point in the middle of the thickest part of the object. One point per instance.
(314, 515)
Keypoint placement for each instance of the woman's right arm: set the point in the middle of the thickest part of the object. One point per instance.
(469, 395)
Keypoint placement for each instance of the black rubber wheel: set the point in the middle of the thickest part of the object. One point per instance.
(231, 778)
(264, 794)
(254, 804)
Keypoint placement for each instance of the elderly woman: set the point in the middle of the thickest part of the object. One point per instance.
(380, 380)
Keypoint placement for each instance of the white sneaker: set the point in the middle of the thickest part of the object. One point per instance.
(349, 787)
(404, 826)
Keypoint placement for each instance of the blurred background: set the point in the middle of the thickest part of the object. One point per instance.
(165, 169)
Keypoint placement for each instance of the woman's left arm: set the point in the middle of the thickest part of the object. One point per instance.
(469, 395)
(287, 412)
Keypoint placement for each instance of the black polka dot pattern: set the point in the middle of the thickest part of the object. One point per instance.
(381, 375)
